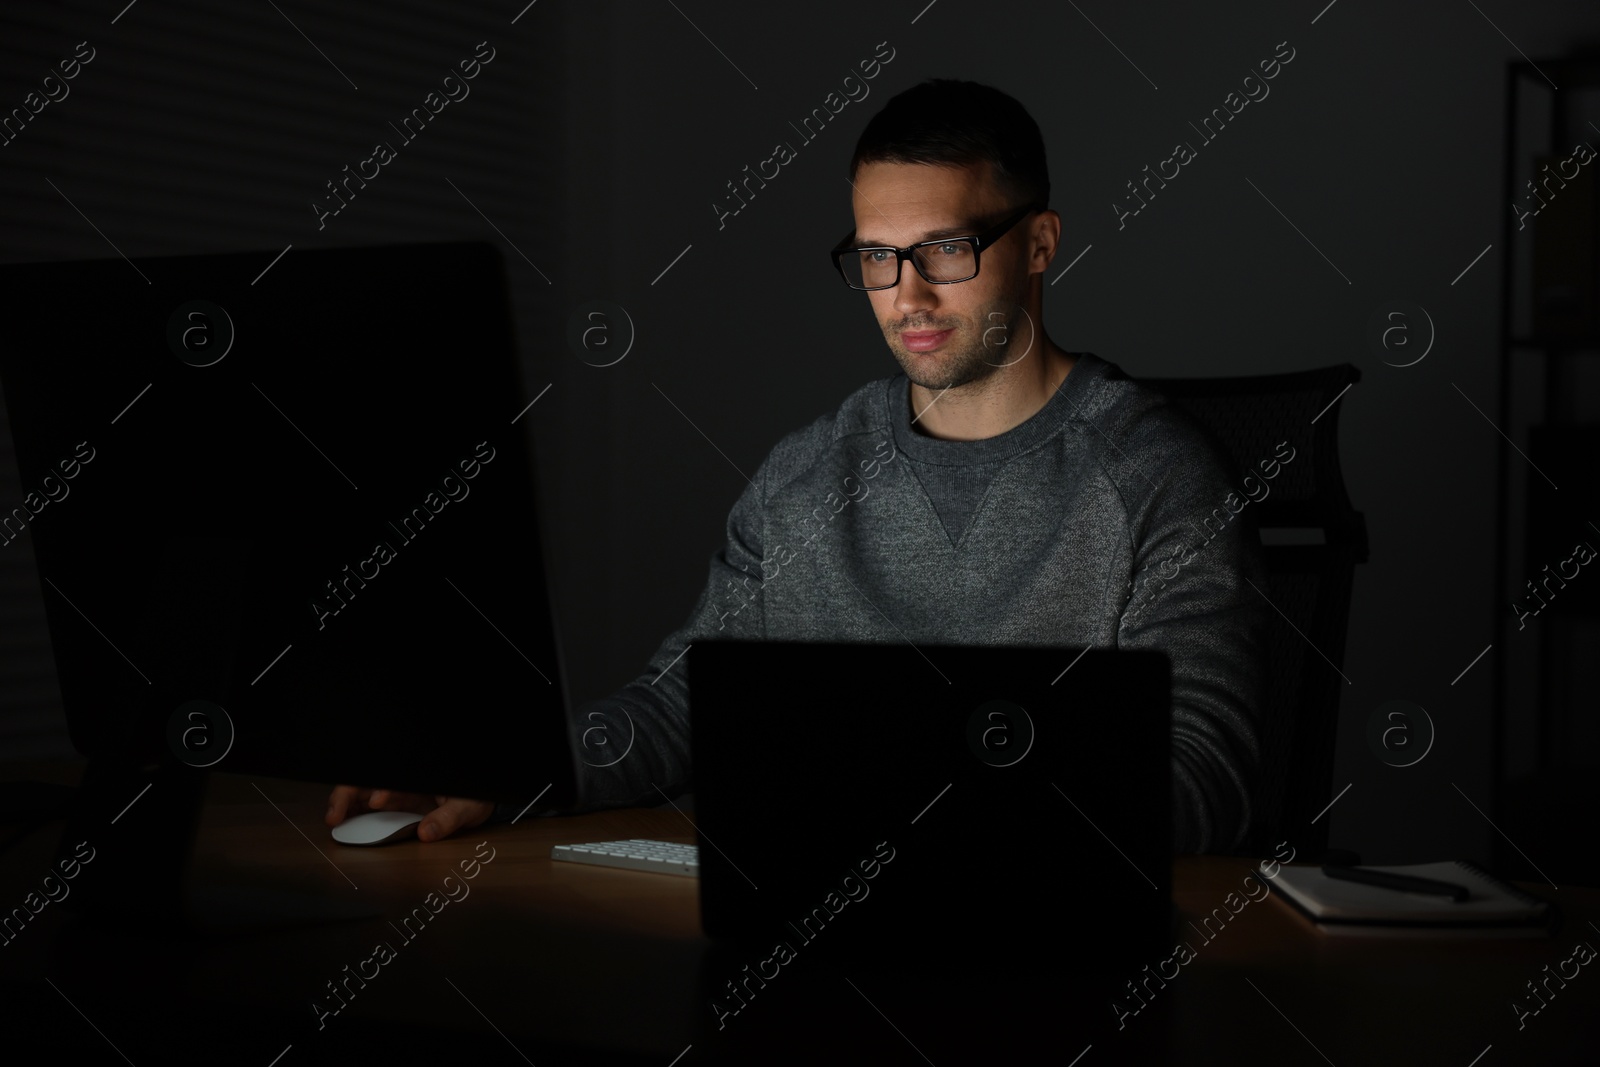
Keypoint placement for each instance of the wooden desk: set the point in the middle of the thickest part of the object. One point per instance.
(554, 963)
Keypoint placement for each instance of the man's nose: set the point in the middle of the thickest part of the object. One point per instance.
(914, 292)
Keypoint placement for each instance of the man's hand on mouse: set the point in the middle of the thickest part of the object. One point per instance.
(443, 816)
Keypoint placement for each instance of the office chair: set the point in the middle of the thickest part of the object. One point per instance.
(1312, 539)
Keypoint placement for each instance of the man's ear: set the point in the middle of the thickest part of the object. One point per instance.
(1046, 234)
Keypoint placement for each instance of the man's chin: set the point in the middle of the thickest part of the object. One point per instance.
(935, 376)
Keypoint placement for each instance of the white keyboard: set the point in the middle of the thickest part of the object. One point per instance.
(636, 854)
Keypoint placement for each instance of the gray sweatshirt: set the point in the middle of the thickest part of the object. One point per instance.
(1094, 522)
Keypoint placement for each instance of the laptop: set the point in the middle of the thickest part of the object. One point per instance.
(934, 808)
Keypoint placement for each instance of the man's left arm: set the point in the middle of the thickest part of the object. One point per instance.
(1195, 555)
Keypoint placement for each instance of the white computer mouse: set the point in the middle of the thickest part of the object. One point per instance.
(377, 828)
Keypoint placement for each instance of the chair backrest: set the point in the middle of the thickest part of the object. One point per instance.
(1312, 538)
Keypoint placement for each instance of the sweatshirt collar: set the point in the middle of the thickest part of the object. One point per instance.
(1021, 437)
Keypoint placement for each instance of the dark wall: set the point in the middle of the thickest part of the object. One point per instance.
(601, 136)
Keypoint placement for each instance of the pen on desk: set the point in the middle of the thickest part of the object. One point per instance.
(1404, 882)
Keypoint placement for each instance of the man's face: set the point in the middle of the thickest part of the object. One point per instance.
(901, 204)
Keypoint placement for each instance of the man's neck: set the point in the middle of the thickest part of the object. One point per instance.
(994, 405)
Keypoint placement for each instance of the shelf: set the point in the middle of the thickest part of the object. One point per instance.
(1592, 341)
(1570, 73)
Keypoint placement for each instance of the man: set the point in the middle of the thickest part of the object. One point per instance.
(999, 491)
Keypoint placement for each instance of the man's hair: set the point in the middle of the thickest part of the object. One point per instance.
(946, 122)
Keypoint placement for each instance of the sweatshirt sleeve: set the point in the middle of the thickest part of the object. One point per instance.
(632, 747)
(1195, 557)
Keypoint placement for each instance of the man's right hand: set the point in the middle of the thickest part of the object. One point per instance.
(442, 816)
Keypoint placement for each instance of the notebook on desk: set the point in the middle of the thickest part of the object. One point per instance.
(1493, 908)
(935, 807)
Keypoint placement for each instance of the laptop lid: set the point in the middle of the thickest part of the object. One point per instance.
(933, 807)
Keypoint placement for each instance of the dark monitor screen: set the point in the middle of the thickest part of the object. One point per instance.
(285, 520)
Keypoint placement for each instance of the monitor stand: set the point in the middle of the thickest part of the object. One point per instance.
(129, 841)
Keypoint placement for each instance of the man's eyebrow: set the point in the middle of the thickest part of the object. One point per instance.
(967, 230)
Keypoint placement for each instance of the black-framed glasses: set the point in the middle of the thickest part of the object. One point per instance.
(942, 261)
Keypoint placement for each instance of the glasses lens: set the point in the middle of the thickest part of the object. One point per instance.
(951, 261)
(869, 268)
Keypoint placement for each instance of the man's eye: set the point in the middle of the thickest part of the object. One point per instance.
(952, 249)
(875, 257)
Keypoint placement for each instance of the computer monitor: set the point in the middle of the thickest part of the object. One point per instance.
(285, 524)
